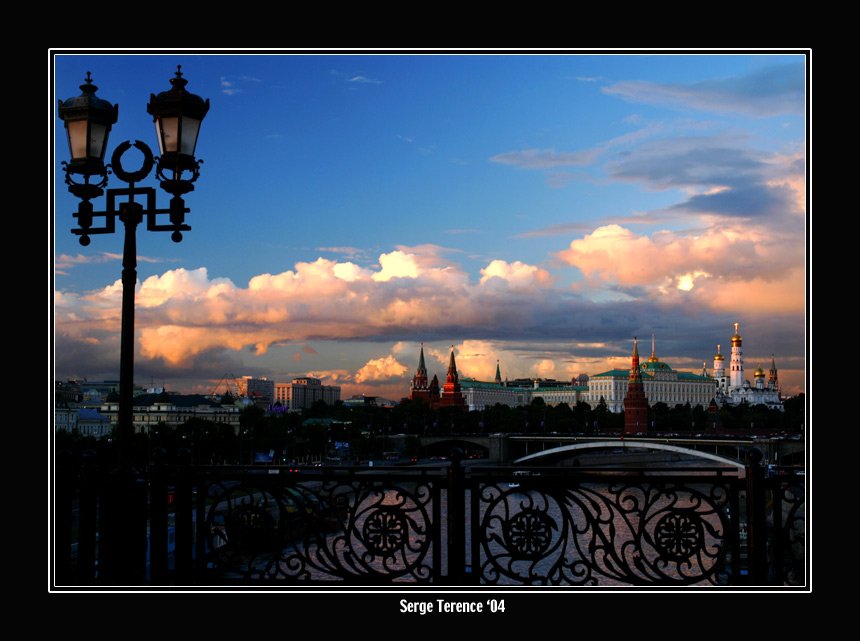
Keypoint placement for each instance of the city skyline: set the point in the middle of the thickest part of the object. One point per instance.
(538, 211)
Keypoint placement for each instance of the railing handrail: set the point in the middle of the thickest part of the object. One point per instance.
(188, 515)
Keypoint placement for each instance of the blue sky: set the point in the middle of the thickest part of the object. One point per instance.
(537, 210)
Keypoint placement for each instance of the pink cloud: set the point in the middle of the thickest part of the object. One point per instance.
(723, 268)
(183, 313)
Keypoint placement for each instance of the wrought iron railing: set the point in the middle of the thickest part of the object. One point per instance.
(452, 525)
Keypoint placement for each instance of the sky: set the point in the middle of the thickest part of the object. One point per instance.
(535, 210)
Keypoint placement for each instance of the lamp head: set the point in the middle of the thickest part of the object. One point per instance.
(177, 114)
(88, 121)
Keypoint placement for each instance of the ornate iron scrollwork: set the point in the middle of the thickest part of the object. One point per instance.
(384, 531)
(529, 533)
(590, 534)
(678, 536)
(361, 532)
(790, 522)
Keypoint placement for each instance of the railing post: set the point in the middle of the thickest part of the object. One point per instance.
(122, 531)
(183, 517)
(158, 531)
(87, 519)
(66, 483)
(756, 518)
(456, 519)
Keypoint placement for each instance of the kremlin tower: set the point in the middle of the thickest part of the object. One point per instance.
(635, 403)
(419, 381)
(452, 396)
(421, 390)
(773, 377)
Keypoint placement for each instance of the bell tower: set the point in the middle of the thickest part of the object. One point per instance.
(720, 369)
(736, 375)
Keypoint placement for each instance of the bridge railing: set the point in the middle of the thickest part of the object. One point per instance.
(451, 525)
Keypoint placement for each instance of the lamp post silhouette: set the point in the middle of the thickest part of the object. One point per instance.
(88, 120)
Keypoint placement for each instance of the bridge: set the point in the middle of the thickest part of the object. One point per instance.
(556, 449)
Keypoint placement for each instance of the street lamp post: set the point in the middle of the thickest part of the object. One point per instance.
(88, 120)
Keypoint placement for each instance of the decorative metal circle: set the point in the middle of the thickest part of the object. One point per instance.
(529, 533)
(678, 536)
(134, 176)
(385, 531)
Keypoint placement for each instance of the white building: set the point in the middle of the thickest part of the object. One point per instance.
(149, 410)
(481, 395)
(259, 390)
(304, 392)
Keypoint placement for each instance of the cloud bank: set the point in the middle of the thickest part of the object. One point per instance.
(731, 245)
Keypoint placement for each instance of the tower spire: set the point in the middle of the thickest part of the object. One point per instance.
(653, 358)
(634, 365)
(418, 390)
(452, 368)
(773, 375)
(452, 396)
(635, 402)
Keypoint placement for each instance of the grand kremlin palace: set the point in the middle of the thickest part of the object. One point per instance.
(662, 384)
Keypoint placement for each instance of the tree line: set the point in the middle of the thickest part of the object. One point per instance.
(323, 430)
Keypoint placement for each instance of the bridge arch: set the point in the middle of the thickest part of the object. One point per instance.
(555, 451)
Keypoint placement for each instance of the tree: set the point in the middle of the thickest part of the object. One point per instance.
(795, 413)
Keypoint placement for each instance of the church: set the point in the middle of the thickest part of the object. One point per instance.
(733, 388)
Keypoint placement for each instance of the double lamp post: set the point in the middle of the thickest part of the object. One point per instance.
(88, 120)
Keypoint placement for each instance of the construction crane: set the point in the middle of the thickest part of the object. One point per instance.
(226, 379)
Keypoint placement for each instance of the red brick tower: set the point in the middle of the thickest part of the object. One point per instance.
(635, 403)
(452, 396)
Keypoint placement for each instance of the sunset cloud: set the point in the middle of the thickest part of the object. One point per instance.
(722, 266)
(516, 275)
(183, 313)
(380, 369)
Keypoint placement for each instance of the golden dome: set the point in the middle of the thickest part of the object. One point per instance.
(736, 339)
(759, 372)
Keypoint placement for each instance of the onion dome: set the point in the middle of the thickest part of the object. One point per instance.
(759, 372)
(719, 356)
(736, 339)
